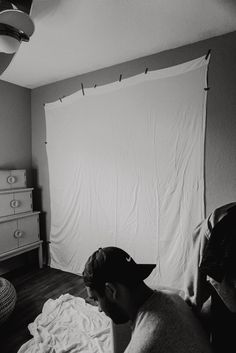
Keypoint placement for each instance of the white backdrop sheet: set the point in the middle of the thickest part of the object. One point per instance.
(126, 168)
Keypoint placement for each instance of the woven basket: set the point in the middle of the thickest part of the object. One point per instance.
(7, 299)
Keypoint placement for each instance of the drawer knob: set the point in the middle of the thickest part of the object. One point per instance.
(15, 203)
(11, 179)
(18, 233)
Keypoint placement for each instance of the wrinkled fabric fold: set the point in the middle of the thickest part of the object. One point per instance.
(69, 325)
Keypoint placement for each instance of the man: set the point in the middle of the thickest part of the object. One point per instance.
(210, 281)
(161, 321)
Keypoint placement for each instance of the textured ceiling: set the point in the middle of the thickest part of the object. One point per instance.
(77, 36)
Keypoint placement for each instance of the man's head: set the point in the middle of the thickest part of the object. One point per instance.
(109, 274)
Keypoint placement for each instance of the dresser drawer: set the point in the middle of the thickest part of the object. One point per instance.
(29, 230)
(12, 179)
(7, 239)
(19, 232)
(15, 202)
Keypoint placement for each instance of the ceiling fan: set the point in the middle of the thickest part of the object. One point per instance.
(16, 26)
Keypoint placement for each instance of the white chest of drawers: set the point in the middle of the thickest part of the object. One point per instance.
(15, 201)
(19, 224)
(12, 179)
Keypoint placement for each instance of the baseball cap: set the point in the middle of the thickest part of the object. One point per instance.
(114, 264)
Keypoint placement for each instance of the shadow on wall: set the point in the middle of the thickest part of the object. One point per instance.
(37, 206)
(227, 4)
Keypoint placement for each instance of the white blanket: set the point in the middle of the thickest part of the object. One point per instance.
(69, 325)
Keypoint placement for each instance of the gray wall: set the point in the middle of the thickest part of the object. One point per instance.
(15, 126)
(220, 147)
(15, 134)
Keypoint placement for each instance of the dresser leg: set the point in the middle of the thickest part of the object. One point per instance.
(40, 256)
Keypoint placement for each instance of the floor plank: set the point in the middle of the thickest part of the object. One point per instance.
(34, 287)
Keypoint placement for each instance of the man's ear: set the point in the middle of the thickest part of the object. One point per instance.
(111, 291)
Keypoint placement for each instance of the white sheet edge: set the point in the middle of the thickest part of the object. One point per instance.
(133, 80)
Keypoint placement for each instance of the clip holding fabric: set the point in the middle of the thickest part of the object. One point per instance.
(208, 53)
(82, 87)
(146, 70)
(120, 77)
(60, 98)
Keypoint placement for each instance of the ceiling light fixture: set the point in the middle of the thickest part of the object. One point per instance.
(15, 26)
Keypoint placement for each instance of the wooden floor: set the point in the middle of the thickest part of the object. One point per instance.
(34, 287)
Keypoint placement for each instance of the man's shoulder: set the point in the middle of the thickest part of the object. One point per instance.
(157, 310)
